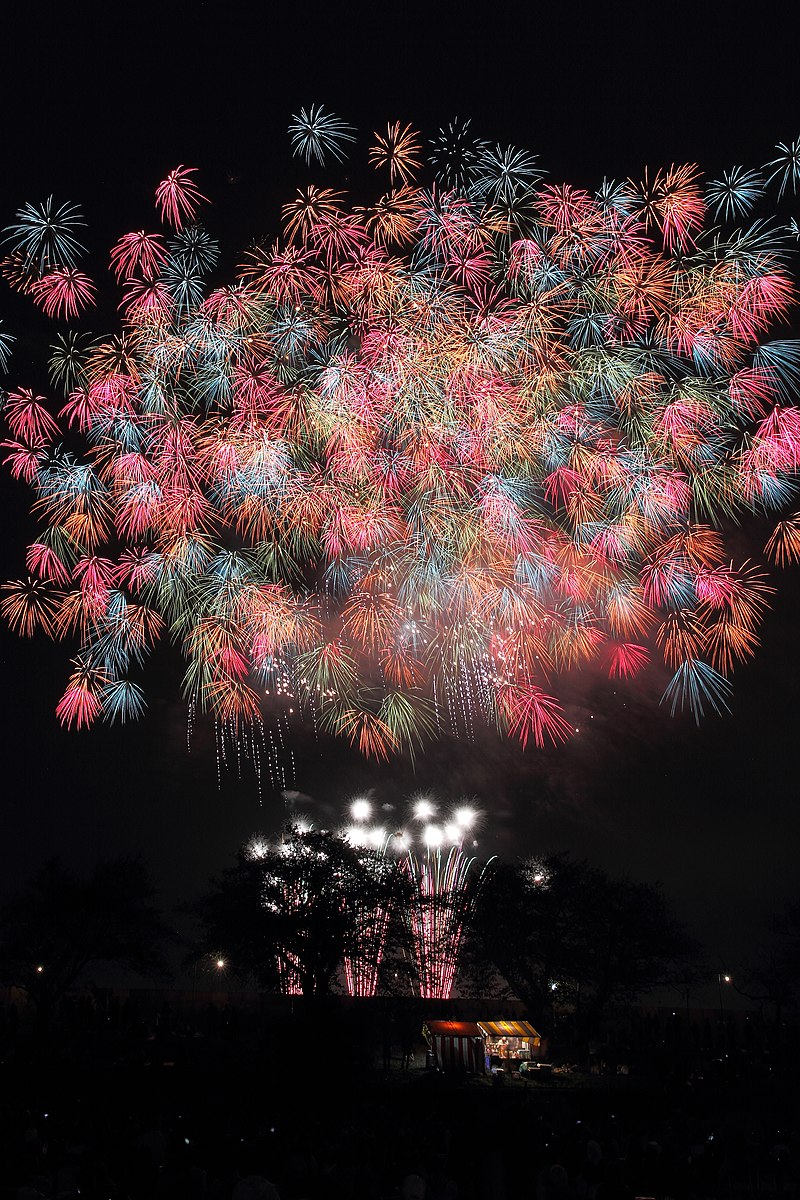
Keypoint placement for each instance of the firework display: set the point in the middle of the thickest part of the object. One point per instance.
(444, 883)
(423, 456)
(420, 876)
(284, 893)
(321, 899)
(445, 890)
(373, 908)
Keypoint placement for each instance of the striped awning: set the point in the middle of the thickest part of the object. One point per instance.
(518, 1029)
(456, 1045)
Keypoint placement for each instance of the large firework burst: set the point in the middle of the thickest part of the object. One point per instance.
(421, 457)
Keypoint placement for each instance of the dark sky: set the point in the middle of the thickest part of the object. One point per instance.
(97, 103)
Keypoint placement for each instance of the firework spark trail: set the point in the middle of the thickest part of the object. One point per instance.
(444, 885)
(444, 894)
(362, 893)
(373, 907)
(422, 457)
(363, 960)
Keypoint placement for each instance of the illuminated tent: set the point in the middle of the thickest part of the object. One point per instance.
(510, 1039)
(456, 1045)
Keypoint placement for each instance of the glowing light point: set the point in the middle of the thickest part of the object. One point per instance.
(361, 810)
(356, 835)
(424, 810)
(465, 817)
(434, 835)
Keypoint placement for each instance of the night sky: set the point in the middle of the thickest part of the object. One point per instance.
(97, 104)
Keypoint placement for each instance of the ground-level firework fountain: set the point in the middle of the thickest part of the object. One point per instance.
(444, 883)
(362, 887)
(330, 903)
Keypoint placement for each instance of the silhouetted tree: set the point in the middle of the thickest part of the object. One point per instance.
(60, 925)
(561, 931)
(775, 978)
(289, 916)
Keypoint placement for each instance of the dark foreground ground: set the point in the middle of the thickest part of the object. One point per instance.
(318, 1128)
(312, 1102)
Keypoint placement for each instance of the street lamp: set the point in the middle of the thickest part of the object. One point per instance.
(722, 978)
(219, 962)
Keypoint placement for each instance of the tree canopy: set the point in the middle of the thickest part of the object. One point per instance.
(292, 914)
(60, 925)
(560, 930)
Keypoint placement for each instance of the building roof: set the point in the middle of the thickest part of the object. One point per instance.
(454, 1029)
(496, 1029)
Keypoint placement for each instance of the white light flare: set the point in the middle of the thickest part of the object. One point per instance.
(465, 817)
(361, 810)
(424, 810)
(257, 848)
(376, 837)
(433, 835)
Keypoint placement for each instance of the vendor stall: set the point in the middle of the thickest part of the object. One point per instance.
(456, 1045)
(509, 1043)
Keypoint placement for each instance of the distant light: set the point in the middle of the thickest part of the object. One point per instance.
(357, 835)
(361, 810)
(39, 970)
(553, 987)
(726, 978)
(434, 835)
(220, 963)
(465, 816)
(423, 809)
